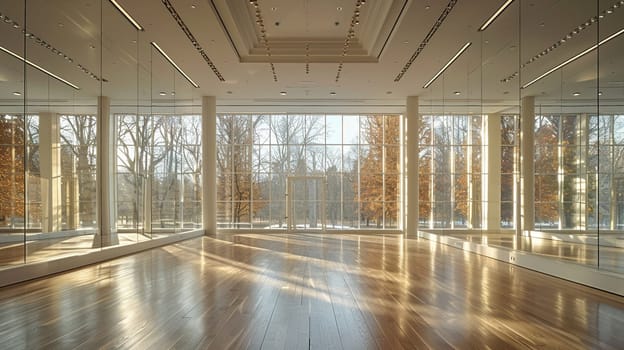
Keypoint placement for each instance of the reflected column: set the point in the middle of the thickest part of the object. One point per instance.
(491, 189)
(527, 176)
(411, 168)
(107, 233)
(209, 164)
(50, 161)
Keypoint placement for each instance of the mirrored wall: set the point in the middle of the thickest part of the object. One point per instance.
(520, 138)
(99, 133)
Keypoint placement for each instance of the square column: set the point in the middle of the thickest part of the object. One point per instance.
(106, 184)
(491, 183)
(412, 121)
(527, 167)
(50, 162)
(209, 164)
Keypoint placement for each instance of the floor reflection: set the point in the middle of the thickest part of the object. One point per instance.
(307, 291)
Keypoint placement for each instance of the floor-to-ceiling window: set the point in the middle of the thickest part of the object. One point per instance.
(355, 158)
(450, 171)
(158, 166)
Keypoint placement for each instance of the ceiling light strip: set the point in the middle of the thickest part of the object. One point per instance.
(573, 58)
(38, 67)
(495, 15)
(355, 19)
(307, 65)
(466, 45)
(263, 35)
(174, 64)
(5, 19)
(427, 38)
(127, 15)
(567, 37)
(191, 37)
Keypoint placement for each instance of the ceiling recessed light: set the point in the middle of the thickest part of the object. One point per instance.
(339, 8)
(599, 93)
(193, 6)
(405, 42)
(172, 93)
(427, 7)
(283, 93)
(17, 93)
(162, 93)
(92, 46)
(457, 93)
(333, 93)
(576, 93)
(273, 9)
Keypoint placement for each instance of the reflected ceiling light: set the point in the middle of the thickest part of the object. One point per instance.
(283, 93)
(38, 67)
(457, 93)
(174, 64)
(599, 93)
(17, 93)
(495, 15)
(127, 15)
(573, 58)
(162, 93)
(447, 64)
(576, 93)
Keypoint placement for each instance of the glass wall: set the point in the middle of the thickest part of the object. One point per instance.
(357, 156)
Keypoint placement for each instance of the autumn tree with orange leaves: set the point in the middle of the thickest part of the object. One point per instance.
(379, 170)
(12, 169)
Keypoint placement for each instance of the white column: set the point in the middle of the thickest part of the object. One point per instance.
(107, 234)
(527, 176)
(209, 164)
(50, 162)
(412, 122)
(491, 182)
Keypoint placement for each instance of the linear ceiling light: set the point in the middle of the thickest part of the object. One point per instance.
(174, 64)
(495, 15)
(448, 64)
(573, 58)
(127, 15)
(39, 68)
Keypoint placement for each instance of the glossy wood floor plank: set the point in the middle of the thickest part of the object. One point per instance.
(307, 291)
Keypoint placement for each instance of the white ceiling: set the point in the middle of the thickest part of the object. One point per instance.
(388, 34)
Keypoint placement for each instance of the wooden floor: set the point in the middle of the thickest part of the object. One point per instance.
(307, 291)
